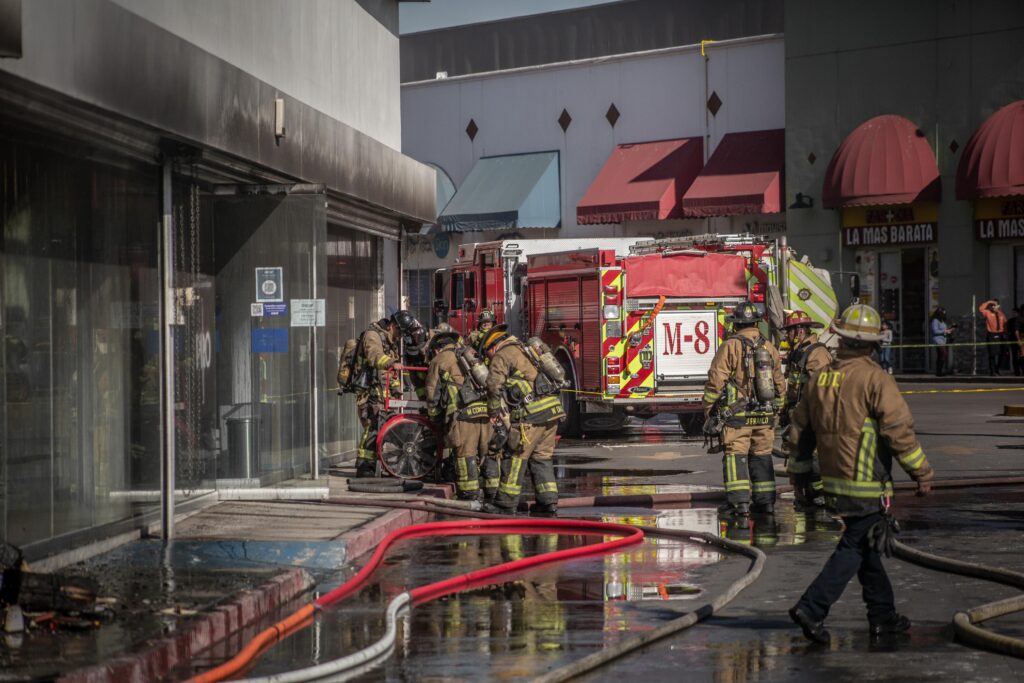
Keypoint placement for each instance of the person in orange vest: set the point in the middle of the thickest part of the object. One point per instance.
(995, 333)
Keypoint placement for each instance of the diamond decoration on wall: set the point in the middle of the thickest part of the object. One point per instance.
(564, 120)
(472, 130)
(612, 114)
(714, 103)
(954, 146)
(811, 158)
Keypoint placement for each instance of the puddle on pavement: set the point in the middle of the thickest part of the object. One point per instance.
(518, 629)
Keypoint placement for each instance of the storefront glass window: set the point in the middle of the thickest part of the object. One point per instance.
(248, 270)
(353, 302)
(79, 378)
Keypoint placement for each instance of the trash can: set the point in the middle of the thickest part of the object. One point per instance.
(241, 447)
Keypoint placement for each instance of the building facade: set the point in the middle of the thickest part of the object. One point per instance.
(532, 148)
(195, 213)
(899, 90)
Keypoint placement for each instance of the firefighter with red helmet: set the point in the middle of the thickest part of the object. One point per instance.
(807, 356)
(745, 383)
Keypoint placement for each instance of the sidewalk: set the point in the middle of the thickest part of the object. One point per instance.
(235, 565)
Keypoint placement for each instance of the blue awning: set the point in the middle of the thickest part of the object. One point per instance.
(507, 192)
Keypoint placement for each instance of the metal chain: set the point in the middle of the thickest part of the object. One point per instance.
(192, 465)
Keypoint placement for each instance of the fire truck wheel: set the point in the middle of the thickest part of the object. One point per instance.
(603, 422)
(570, 427)
(692, 423)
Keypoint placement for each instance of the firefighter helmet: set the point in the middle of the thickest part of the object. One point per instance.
(494, 336)
(859, 322)
(404, 320)
(486, 316)
(441, 337)
(798, 318)
(745, 313)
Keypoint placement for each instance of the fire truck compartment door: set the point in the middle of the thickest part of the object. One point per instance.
(684, 344)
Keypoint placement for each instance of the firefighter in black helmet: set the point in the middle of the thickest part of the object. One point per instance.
(534, 416)
(745, 383)
(484, 322)
(378, 352)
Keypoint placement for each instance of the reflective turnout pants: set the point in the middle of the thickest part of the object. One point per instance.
(532, 449)
(747, 468)
(469, 441)
(853, 556)
(371, 416)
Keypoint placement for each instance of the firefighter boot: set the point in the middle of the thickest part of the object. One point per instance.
(737, 484)
(507, 500)
(762, 475)
(467, 479)
(490, 477)
(545, 489)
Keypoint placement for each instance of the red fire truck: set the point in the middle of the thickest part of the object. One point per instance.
(634, 322)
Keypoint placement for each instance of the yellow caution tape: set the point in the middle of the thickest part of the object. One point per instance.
(961, 391)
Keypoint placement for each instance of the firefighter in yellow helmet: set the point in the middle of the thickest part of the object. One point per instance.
(535, 410)
(745, 382)
(457, 403)
(807, 356)
(854, 414)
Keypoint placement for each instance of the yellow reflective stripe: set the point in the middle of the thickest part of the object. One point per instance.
(711, 397)
(475, 409)
(764, 485)
(491, 483)
(795, 466)
(913, 459)
(365, 454)
(865, 467)
(468, 485)
(383, 360)
(510, 486)
(737, 485)
(855, 489)
(547, 487)
(817, 485)
(547, 403)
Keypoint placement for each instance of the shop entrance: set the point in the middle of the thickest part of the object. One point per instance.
(248, 302)
(903, 301)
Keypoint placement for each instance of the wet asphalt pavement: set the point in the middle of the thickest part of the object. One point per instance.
(550, 616)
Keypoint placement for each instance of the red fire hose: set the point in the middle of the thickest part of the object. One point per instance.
(626, 535)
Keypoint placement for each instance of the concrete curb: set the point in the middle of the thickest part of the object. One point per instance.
(365, 538)
(156, 658)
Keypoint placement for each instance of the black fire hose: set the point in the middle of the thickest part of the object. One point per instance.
(965, 623)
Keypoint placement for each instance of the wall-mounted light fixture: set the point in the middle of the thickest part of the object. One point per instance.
(803, 201)
(279, 129)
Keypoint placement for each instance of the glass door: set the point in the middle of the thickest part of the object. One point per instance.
(249, 302)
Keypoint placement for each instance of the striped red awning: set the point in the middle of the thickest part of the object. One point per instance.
(992, 164)
(885, 160)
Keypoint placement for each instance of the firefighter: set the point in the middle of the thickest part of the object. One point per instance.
(459, 409)
(484, 323)
(378, 351)
(854, 414)
(745, 383)
(533, 421)
(807, 356)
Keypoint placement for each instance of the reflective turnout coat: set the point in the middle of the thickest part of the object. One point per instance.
(511, 376)
(854, 413)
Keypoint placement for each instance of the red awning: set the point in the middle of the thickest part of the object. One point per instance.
(743, 176)
(686, 275)
(642, 181)
(885, 160)
(993, 161)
